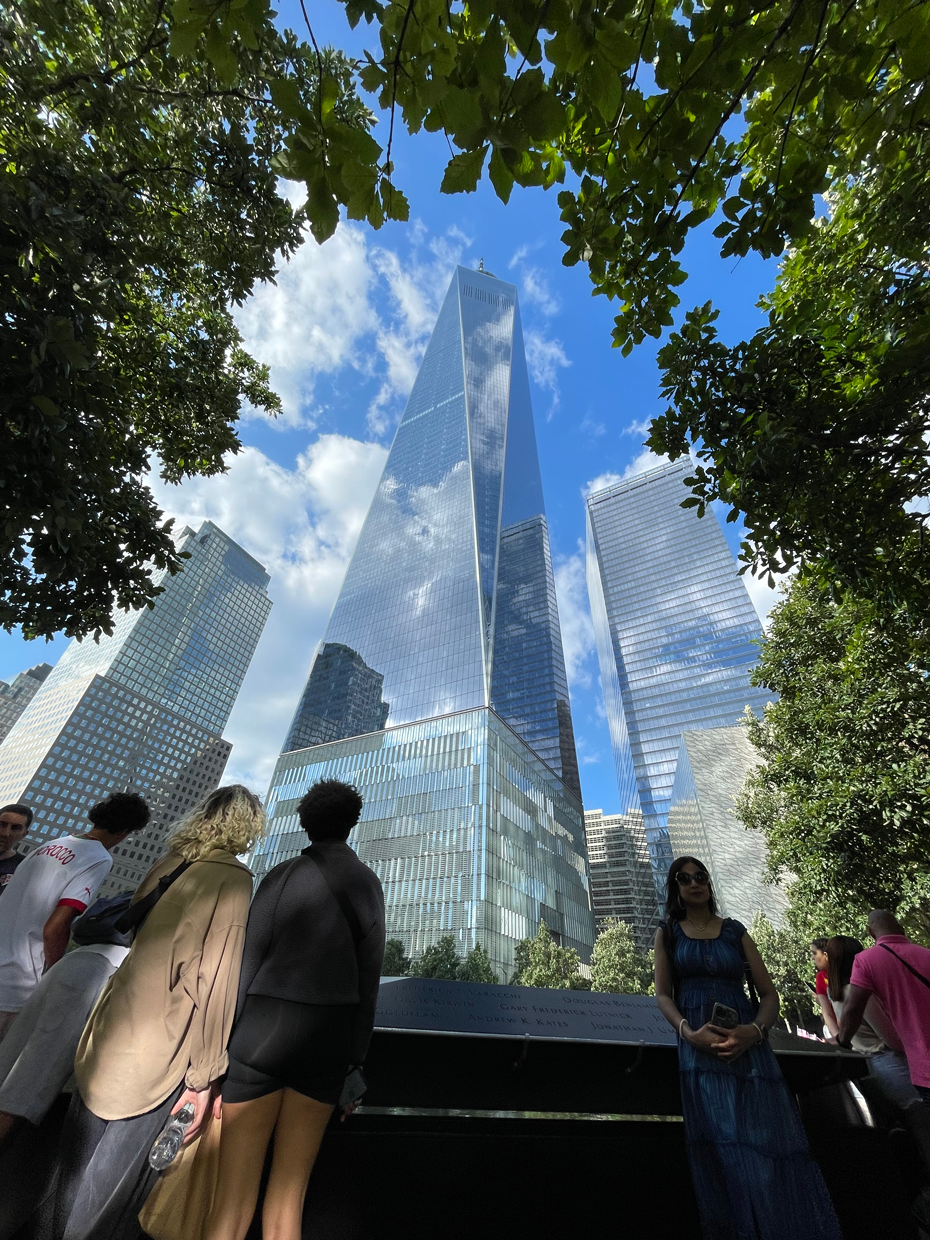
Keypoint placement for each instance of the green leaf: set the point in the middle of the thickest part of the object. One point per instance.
(463, 172)
(543, 117)
(500, 175)
(45, 405)
(322, 209)
(395, 203)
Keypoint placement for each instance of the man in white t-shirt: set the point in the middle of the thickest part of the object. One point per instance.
(53, 885)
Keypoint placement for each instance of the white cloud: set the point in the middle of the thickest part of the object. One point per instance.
(416, 286)
(764, 597)
(302, 524)
(545, 358)
(592, 428)
(637, 428)
(312, 320)
(575, 617)
(536, 292)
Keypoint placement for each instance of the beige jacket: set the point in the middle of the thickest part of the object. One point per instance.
(166, 1014)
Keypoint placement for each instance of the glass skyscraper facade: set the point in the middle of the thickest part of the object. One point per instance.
(712, 768)
(448, 628)
(675, 630)
(143, 709)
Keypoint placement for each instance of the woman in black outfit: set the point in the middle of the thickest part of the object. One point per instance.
(309, 984)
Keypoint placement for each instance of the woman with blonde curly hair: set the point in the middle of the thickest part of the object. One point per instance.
(156, 1039)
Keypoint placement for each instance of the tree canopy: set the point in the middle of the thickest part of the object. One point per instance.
(843, 792)
(138, 203)
(817, 428)
(540, 961)
(617, 964)
(396, 962)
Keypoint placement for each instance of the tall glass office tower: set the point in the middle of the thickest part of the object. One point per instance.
(675, 630)
(439, 687)
(143, 709)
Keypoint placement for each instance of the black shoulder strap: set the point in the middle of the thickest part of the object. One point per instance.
(910, 968)
(136, 914)
(747, 968)
(345, 904)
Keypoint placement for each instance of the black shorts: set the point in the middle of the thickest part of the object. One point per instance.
(278, 1044)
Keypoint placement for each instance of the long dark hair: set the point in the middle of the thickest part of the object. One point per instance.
(841, 951)
(674, 905)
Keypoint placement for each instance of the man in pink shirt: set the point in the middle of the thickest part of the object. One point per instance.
(897, 972)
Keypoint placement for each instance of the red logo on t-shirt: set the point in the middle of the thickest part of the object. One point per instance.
(59, 852)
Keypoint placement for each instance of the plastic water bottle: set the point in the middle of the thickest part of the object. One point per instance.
(171, 1138)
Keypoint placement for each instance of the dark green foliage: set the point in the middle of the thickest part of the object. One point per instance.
(476, 967)
(843, 792)
(396, 963)
(439, 960)
(816, 429)
(541, 962)
(138, 201)
(617, 964)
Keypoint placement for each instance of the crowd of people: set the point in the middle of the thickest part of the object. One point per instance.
(187, 1008)
(189, 1012)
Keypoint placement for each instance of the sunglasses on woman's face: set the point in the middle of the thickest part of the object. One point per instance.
(684, 879)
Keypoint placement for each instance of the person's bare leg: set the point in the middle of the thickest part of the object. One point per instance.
(297, 1136)
(247, 1129)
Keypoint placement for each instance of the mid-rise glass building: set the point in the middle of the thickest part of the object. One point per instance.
(676, 634)
(143, 709)
(439, 687)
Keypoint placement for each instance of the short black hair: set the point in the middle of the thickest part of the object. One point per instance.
(120, 811)
(25, 810)
(819, 945)
(329, 810)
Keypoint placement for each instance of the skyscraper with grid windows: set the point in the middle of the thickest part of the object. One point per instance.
(675, 631)
(439, 687)
(143, 709)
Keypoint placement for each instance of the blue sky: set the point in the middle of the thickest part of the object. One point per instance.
(343, 330)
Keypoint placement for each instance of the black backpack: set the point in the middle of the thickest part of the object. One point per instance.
(98, 923)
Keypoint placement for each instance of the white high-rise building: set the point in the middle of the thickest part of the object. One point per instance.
(143, 710)
(621, 872)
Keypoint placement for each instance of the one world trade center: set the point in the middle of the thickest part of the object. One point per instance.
(439, 687)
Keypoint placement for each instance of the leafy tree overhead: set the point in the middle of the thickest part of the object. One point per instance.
(617, 964)
(843, 792)
(638, 100)
(439, 960)
(396, 962)
(138, 201)
(817, 428)
(542, 962)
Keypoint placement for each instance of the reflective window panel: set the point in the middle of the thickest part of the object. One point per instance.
(712, 767)
(470, 832)
(675, 630)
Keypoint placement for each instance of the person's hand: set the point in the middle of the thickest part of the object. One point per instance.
(201, 1100)
(707, 1038)
(349, 1109)
(735, 1041)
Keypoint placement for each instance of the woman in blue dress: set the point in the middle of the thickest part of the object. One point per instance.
(754, 1178)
